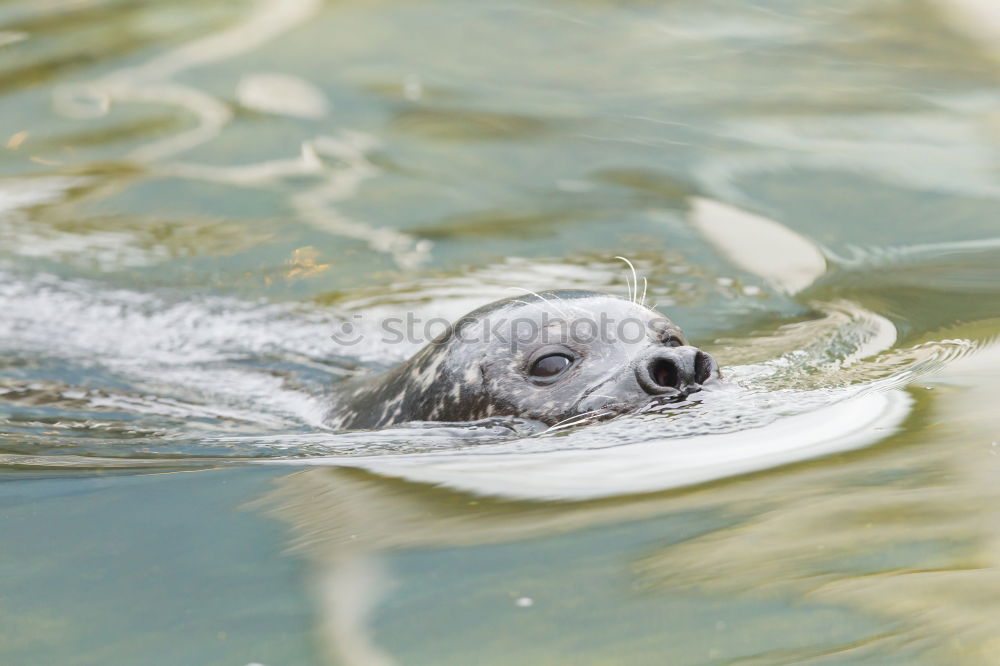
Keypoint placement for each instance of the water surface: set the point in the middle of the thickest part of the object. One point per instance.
(194, 195)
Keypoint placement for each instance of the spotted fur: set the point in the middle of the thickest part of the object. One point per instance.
(466, 375)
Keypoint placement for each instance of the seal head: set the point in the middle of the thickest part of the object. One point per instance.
(553, 357)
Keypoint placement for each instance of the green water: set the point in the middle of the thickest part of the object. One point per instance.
(192, 192)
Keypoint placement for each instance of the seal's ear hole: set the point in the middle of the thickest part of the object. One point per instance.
(550, 366)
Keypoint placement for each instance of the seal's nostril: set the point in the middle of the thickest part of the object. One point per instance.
(702, 367)
(664, 372)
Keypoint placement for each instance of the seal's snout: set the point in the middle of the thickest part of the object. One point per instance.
(674, 370)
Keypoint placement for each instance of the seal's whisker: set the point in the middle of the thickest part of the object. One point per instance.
(575, 416)
(560, 299)
(634, 285)
(542, 298)
(518, 300)
(645, 285)
(580, 421)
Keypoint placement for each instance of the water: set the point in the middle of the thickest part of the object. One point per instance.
(194, 195)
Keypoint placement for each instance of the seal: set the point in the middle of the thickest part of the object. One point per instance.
(556, 357)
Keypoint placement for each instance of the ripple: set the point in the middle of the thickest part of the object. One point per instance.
(444, 124)
(148, 379)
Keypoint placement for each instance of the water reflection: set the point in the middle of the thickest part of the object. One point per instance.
(199, 191)
(911, 591)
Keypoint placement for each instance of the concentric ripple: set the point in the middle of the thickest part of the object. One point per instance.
(161, 379)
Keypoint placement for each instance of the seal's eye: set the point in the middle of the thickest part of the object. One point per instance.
(672, 341)
(549, 366)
